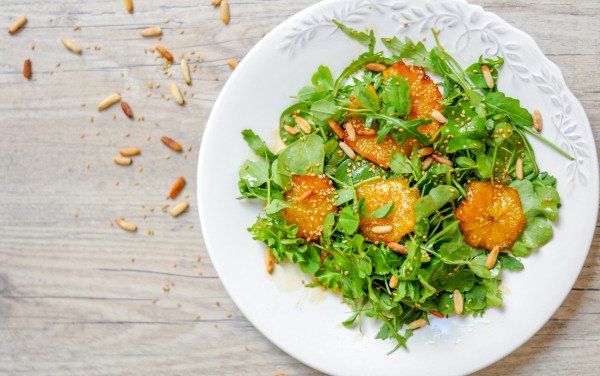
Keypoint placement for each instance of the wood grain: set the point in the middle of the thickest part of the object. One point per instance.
(78, 295)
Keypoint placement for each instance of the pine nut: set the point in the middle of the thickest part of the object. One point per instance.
(164, 53)
(171, 144)
(417, 324)
(303, 124)
(179, 208)
(538, 122)
(154, 31)
(109, 101)
(306, 195)
(487, 75)
(232, 63)
(27, 69)
(436, 115)
(425, 151)
(426, 163)
(350, 131)
(225, 17)
(269, 261)
(335, 127)
(130, 152)
(398, 248)
(127, 226)
(126, 109)
(291, 130)
(17, 25)
(348, 150)
(490, 262)
(458, 302)
(176, 94)
(177, 187)
(71, 46)
(382, 229)
(123, 161)
(393, 282)
(185, 70)
(129, 5)
(441, 159)
(519, 169)
(375, 67)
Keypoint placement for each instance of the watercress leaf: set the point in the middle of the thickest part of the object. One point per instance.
(257, 145)
(457, 252)
(352, 172)
(484, 166)
(306, 155)
(435, 200)
(328, 225)
(367, 97)
(348, 221)
(276, 205)
(493, 295)
(510, 263)
(254, 173)
(499, 103)
(322, 79)
(536, 233)
(475, 299)
(344, 196)
(465, 162)
(396, 94)
(446, 304)
(477, 265)
(324, 110)
(460, 144)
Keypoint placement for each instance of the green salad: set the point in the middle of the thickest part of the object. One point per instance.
(407, 197)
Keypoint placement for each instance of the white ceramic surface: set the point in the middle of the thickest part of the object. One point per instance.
(306, 322)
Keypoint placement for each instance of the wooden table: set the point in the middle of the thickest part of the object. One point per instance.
(80, 295)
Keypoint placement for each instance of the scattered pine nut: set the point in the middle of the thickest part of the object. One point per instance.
(179, 208)
(439, 117)
(375, 67)
(519, 169)
(303, 124)
(123, 161)
(17, 25)
(382, 229)
(458, 302)
(185, 70)
(126, 109)
(441, 159)
(366, 132)
(129, 5)
(417, 324)
(291, 130)
(423, 152)
(398, 248)
(127, 226)
(171, 144)
(177, 187)
(232, 63)
(336, 128)
(27, 69)
(164, 53)
(176, 94)
(426, 163)
(393, 282)
(109, 101)
(306, 195)
(347, 150)
(71, 46)
(350, 131)
(154, 31)
(130, 152)
(538, 122)
(492, 257)
(215, 3)
(437, 314)
(487, 75)
(269, 261)
(225, 17)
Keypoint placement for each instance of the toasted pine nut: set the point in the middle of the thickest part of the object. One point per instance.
(426, 163)
(177, 187)
(336, 128)
(123, 161)
(127, 226)
(519, 169)
(109, 101)
(303, 124)
(458, 302)
(398, 248)
(437, 314)
(214, 3)
(130, 152)
(417, 324)
(487, 75)
(179, 208)
(71, 46)
(176, 94)
(291, 130)
(366, 132)
(225, 17)
(27, 69)
(171, 144)
(126, 109)
(538, 122)
(425, 151)
(382, 229)
(350, 131)
(269, 261)
(492, 257)
(306, 195)
(393, 282)
(17, 25)
(129, 5)
(436, 115)
(348, 150)
(185, 70)
(154, 31)
(375, 67)
(164, 53)
(232, 63)
(441, 159)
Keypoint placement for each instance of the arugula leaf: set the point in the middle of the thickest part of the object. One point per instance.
(401, 130)
(501, 104)
(257, 145)
(396, 94)
(400, 164)
(407, 49)
(359, 36)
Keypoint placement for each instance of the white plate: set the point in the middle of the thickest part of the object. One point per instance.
(306, 322)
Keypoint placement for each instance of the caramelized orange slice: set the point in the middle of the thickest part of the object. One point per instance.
(424, 93)
(311, 199)
(400, 222)
(491, 215)
(366, 144)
